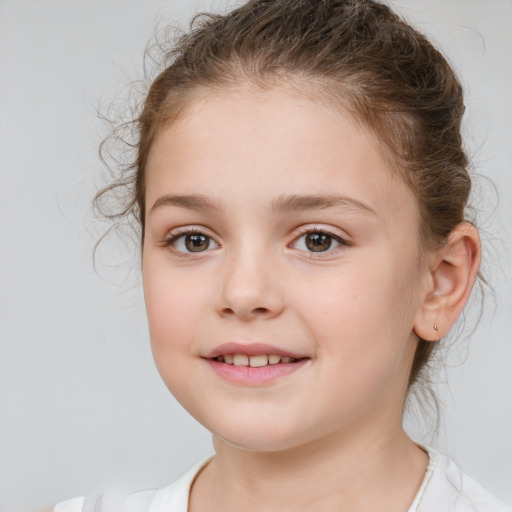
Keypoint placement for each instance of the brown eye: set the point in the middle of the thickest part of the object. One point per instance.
(318, 242)
(192, 242)
(197, 243)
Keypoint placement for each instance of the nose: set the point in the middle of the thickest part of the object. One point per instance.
(250, 288)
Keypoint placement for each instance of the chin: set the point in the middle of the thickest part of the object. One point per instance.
(258, 436)
(260, 445)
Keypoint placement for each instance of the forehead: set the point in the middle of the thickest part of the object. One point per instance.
(260, 144)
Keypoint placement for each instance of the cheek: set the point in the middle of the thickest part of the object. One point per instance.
(362, 316)
(173, 314)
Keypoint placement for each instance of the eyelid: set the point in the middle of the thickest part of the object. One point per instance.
(185, 230)
(175, 234)
(328, 230)
(331, 232)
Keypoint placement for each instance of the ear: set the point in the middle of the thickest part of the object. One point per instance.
(451, 275)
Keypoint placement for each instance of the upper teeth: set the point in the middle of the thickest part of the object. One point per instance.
(254, 361)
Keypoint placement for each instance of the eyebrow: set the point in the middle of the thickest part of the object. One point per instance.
(293, 203)
(196, 202)
(281, 204)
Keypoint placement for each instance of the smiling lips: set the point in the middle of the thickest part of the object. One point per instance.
(256, 361)
(253, 364)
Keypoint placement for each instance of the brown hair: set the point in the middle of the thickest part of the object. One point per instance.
(355, 54)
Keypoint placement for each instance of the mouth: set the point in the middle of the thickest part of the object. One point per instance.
(253, 364)
(255, 361)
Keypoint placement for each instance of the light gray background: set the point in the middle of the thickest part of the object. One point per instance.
(81, 405)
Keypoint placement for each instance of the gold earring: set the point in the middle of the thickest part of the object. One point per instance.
(436, 328)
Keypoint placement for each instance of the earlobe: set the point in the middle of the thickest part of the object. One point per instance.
(452, 273)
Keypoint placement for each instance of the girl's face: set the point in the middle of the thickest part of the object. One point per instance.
(276, 227)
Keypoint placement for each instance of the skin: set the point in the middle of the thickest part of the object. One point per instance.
(330, 433)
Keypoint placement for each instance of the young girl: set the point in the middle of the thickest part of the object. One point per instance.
(301, 188)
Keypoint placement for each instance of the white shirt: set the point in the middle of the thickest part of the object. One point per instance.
(445, 488)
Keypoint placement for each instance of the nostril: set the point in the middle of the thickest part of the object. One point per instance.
(243, 313)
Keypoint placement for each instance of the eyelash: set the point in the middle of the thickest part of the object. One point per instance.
(322, 231)
(173, 238)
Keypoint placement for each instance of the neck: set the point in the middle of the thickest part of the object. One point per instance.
(366, 471)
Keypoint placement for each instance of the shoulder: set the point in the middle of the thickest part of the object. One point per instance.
(109, 502)
(174, 497)
(447, 488)
(73, 505)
